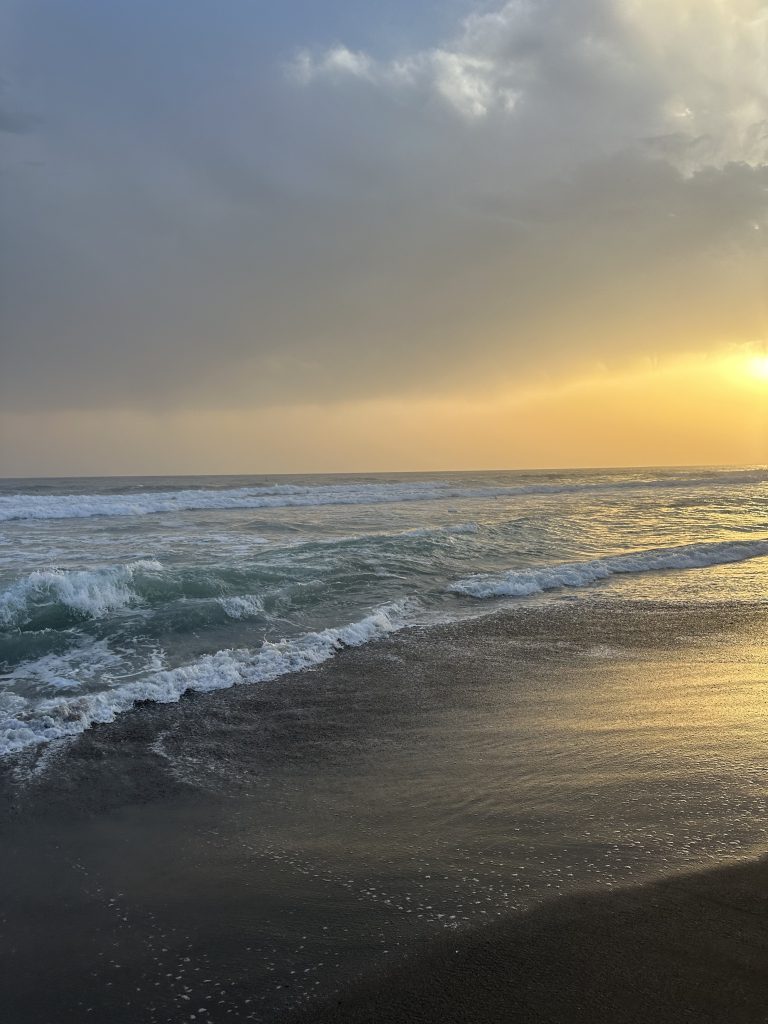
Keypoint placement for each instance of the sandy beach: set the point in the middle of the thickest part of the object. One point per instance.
(693, 947)
(404, 834)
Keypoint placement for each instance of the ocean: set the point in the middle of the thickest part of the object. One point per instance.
(118, 590)
(268, 739)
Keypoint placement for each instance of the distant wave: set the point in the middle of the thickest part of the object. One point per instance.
(63, 716)
(83, 506)
(523, 582)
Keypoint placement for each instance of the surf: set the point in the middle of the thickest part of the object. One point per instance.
(536, 580)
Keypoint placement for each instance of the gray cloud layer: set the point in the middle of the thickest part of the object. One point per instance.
(201, 213)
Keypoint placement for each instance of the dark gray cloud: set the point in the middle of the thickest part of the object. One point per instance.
(227, 210)
(14, 122)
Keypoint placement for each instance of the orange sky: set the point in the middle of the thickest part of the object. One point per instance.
(693, 411)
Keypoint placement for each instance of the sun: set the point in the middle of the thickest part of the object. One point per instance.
(757, 367)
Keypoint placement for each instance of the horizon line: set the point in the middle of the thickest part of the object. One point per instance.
(390, 472)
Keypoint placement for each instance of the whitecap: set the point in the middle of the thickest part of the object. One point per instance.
(73, 506)
(535, 580)
(91, 593)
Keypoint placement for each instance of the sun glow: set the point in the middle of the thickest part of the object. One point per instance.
(757, 367)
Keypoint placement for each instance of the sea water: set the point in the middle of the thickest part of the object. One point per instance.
(118, 590)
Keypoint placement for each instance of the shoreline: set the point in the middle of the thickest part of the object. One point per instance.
(315, 834)
(492, 621)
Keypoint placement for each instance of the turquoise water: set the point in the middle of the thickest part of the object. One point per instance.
(117, 590)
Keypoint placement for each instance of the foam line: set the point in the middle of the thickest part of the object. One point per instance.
(79, 506)
(522, 582)
(66, 716)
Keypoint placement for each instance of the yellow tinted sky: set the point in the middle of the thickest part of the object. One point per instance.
(349, 237)
(693, 411)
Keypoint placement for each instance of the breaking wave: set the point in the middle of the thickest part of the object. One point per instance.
(84, 593)
(243, 606)
(25, 724)
(56, 597)
(523, 582)
(79, 506)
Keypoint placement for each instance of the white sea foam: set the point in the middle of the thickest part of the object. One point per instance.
(245, 606)
(523, 582)
(76, 506)
(416, 533)
(24, 724)
(91, 660)
(91, 593)
(435, 531)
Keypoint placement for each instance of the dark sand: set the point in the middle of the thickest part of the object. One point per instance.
(691, 948)
(244, 856)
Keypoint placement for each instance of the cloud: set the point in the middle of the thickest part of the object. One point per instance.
(336, 61)
(693, 74)
(468, 83)
(13, 122)
(553, 186)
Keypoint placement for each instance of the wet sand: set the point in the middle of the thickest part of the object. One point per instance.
(690, 948)
(248, 855)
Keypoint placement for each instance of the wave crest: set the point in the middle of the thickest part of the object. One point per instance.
(524, 582)
(61, 717)
(78, 506)
(86, 593)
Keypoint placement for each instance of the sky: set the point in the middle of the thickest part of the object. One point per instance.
(341, 235)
